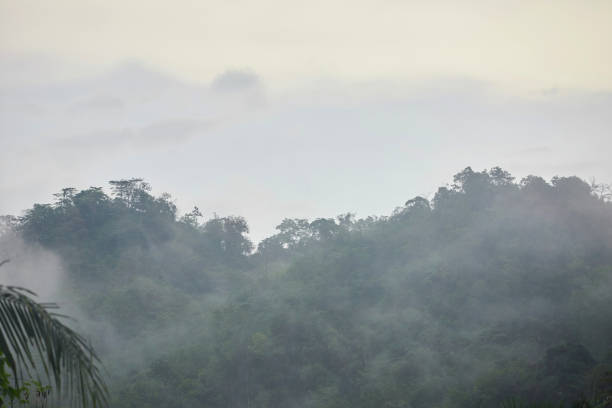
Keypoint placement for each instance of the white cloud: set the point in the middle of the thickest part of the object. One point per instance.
(524, 45)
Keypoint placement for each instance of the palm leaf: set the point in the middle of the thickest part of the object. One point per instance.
(33, 339)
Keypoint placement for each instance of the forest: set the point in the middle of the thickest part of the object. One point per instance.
(494, 292)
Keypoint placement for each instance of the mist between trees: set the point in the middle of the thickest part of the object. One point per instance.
(494, 289)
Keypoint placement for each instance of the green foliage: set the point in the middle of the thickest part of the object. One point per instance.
(491, 289)
(10, 392)
(24, 395)
(32, 339)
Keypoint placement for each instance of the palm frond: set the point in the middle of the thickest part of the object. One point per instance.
(34, 339)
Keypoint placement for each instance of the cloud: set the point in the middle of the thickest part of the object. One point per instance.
(550, 92)
(33, 69)
(175, 130)
(31, 267)
(100, 103)
(157, 134)
(117, 108)
(536, 150)
(235, 80)
(520, 41)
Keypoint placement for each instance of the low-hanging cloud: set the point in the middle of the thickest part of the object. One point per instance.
(235, 80)
(32, 267)
(157, 134)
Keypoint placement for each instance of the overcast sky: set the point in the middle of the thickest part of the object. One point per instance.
(275, 109)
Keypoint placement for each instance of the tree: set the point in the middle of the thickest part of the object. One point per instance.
(228, 236)
(34, 341)
(130, 192)
(192, 217)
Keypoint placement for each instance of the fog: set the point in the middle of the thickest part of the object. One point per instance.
(494, 286)
(366, 204)
(32, 267)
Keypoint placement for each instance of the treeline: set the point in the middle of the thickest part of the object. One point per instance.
(130, 259)
(494, 289)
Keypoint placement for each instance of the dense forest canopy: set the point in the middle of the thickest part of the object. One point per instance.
(493, 289)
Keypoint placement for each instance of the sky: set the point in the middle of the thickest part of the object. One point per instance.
(275, 109)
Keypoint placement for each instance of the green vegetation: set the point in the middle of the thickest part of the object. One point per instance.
(33, 341)
(493, 290)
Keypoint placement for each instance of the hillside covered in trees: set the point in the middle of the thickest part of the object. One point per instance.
(493, 289)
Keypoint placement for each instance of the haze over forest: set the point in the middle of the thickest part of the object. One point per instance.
(494, 290)
(328, 204)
